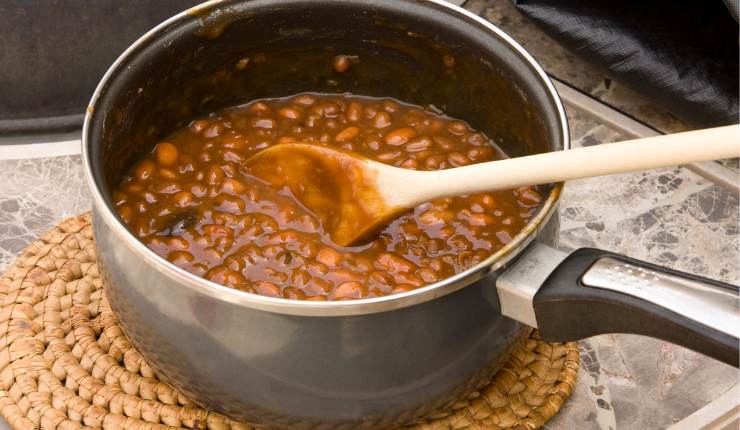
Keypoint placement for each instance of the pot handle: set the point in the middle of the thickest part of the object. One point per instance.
(593, 292)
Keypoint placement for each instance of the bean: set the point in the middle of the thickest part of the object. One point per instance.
(304, 100)
(419, 144)
(480, 154)
(167, 174)
(446, 232)
(443, 142)
(373, 144)
(436, 217)
(528, 197)
(393, 263)
(427, 275)
(143, 227)
(260, 107)
(228, 203)
(213, 255)
(435, 162)
(347, 134)
(477, 139)
(232, 186)
(317, 269)
(408, 278)
(224, 218)
(199, 190)
(488, 201)
(399, 136)
(214, 130)
(457, 159)
(198, 126)
(233, 142)
(241, 64)
(380, 280)
(166, 154)
(354, 111)
(284, 238)
(180, 258)
(141, 207)
(370, 112)
(360, 263)
(504, 236)
(402, 289)
(233, 156)
(442, 203)
(329, 257)
(341, 63)
(178, 243)
(349, 290)
(382, 120)
(167, 187)
(164, 212)
(133, 188)
(391, 106)
(289, 113)
(264, 123)
(458, 128)
(224, 276)
(300, 278)
(268, 289)
(409, 164)
(330, 110)
(307, 249)
(294, 294)
(205, 157)
(215, 175)
(387, 157)
(182, 199)
(460, 243)
(479, 219)
(216, 230)
(317, 286)
(144, 170)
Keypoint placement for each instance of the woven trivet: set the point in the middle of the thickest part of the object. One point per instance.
(66, 363)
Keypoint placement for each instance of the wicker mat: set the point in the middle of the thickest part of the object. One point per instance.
(66, 363)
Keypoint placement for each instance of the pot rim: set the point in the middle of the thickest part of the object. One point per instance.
(102, 211)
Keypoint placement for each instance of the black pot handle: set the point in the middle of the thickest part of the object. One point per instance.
(593, 292)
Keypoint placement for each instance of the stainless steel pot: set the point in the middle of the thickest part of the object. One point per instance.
(376, 362)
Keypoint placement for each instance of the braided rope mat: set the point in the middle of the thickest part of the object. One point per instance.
(66, 364)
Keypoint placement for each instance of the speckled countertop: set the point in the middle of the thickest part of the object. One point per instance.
(670, 217)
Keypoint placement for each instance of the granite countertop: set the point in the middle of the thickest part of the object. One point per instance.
(671, 217)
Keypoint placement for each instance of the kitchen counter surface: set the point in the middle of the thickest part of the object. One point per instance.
(669, 216)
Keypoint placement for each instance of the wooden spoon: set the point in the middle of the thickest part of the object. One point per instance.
(354, 197)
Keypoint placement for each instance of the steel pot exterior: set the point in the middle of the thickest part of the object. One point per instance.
(371, 363)
(293, 371)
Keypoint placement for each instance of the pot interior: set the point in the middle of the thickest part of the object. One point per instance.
(187, 68)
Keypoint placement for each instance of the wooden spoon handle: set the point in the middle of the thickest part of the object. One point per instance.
(627, 156)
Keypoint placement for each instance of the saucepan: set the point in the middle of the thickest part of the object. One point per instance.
(378, 362)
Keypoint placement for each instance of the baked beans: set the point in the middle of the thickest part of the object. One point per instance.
(191, 200)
